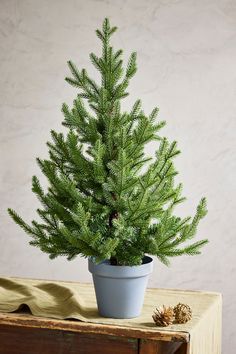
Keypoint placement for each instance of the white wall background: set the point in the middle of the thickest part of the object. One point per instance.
(187, 66)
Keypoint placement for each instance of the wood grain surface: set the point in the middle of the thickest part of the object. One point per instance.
(25, 340)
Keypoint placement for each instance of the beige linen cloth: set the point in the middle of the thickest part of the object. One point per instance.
(63, 300)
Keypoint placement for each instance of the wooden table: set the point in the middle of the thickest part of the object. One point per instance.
(84, 331)
(22, 333)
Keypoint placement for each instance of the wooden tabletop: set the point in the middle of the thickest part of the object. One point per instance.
(48, 305)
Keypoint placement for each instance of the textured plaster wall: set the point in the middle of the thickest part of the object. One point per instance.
(186, 58)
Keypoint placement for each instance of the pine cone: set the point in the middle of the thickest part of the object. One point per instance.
(163, 316)
(183, 313)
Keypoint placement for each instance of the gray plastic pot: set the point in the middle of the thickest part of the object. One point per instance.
(120, 289)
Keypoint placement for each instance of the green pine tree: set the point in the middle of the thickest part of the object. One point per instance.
(106, 198)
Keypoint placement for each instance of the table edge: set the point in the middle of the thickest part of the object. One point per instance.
(21, 320)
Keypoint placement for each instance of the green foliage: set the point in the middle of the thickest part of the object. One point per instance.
(106, 198)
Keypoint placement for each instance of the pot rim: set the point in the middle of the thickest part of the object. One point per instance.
(105, 269)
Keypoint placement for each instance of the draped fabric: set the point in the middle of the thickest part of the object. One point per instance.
(70, 300)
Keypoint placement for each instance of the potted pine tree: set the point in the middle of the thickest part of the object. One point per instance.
(106, 199)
